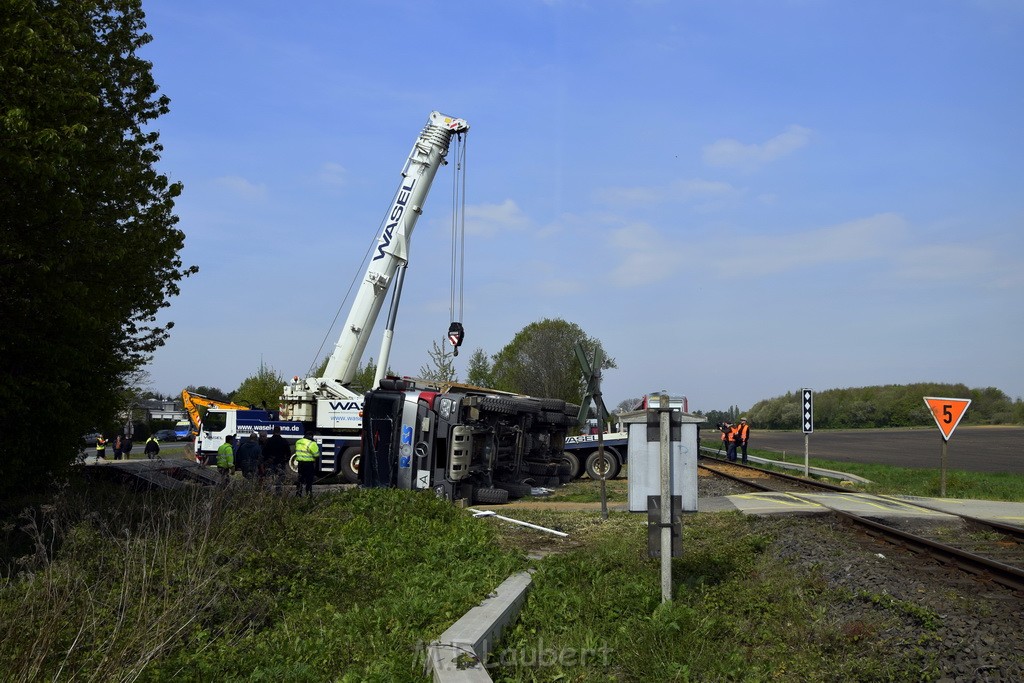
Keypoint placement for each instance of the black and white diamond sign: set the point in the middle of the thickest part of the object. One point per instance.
(807, 409)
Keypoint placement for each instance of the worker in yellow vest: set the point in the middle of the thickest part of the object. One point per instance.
(226, 459)
(101, 447)
(307, 451)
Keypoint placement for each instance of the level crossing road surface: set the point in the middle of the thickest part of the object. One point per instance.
(973, 449)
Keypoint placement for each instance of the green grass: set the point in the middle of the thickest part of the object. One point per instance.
(594, 612)
(239, 585)
(587, 490)
(103, 583)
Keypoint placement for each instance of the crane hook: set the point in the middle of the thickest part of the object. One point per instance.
(455, 334)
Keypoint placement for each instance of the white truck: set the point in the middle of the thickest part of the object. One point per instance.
(327, 404)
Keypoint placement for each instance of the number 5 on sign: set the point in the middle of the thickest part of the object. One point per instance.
(947, 412)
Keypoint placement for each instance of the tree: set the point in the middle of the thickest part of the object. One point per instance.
(263, 389)
(442, 368)
(478, 369)
(89, 251)
(627, 405)
(541, 361)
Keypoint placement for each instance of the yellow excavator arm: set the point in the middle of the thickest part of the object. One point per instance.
(193, 402)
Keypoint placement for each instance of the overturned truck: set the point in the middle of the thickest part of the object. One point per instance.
(463, 443)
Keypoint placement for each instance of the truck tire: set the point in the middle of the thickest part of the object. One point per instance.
(610, 467)
(502, 406)
(489, 496)
(552, 404)
(293, 465)
(515, 489)
(350, 464)
(574, 463)
(539, 468)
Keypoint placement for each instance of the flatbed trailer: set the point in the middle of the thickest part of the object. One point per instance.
(581, 452)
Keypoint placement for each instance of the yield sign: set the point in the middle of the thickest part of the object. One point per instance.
(947, 412)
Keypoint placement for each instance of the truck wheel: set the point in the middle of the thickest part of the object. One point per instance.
(350, 464)
(490, 496)
(293, 464)
(552, 404)
(574, 463)
(497, 405)
(515, 489)
(609, 466)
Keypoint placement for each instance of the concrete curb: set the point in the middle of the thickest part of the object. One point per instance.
(458, 655)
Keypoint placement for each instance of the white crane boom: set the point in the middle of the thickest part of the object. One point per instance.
(391, 253)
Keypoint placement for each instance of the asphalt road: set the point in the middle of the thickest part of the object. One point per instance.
(977, 449)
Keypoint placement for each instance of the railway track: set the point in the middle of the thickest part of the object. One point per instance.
(990, 550)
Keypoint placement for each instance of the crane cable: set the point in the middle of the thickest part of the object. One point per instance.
(456, 331)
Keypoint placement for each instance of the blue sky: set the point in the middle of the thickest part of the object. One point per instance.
(739, 198)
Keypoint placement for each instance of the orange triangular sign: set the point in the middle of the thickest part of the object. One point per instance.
(947, 412)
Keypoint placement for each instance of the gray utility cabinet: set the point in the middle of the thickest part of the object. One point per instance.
(644, 457)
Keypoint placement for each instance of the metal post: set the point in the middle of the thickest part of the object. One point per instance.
(807, 455)
(942, 476)
(600, 449)
(665, 417)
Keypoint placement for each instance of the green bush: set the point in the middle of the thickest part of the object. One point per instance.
(240, 584)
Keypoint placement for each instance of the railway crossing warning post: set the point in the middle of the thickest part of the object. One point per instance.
(947, 413)
(807, 408)
(662, 456)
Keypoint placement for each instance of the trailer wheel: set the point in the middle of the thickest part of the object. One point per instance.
(350, 464)
(574, 463)
(490, 496)
(609, 466)
(293, 464)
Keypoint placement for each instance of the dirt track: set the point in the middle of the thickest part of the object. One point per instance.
(978, 449)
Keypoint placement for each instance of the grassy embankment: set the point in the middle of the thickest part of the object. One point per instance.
(105, 584)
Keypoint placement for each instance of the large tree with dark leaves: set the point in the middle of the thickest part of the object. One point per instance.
(541, 361)
(88, 243)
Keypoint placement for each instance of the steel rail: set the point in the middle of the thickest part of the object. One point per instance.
(998, 572)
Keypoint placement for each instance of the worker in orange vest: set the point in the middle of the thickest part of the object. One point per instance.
(743, 434)
(729, 440)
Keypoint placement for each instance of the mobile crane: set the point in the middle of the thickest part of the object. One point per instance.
(327, 403)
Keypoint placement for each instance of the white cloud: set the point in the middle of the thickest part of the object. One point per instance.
(694, 190)
(242, 187)
(332, 174)
(490, 219)
(867, 238)
(730, 153)
(647, 256)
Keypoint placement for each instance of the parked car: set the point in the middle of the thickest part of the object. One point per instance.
(165, 435)
(90, 438)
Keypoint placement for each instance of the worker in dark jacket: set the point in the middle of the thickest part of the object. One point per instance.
(248, 457)
(275, 456)
(152, 448)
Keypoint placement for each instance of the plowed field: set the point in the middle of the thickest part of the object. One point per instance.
(978, 449)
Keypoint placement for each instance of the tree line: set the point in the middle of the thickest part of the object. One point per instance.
(890, 405)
